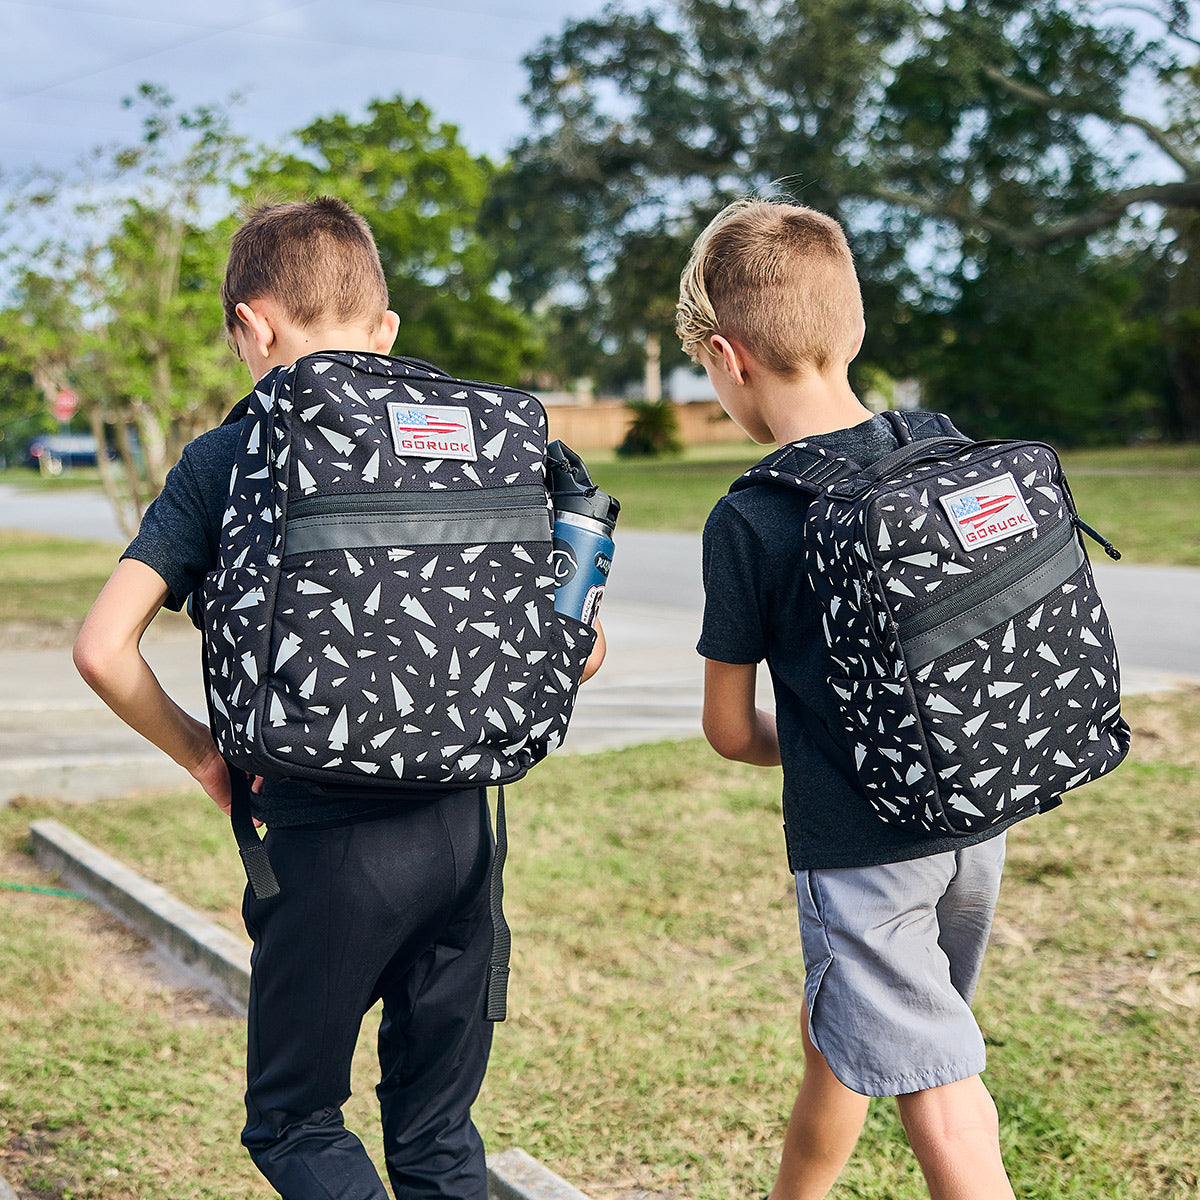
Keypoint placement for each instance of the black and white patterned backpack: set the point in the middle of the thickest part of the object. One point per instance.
(973, 663)
(382, 608)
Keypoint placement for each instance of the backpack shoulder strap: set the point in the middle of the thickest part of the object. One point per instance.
(912, 425)
(815, 471)
(806, 468)
(260, 395)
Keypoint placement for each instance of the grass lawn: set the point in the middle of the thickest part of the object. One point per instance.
(653, 1040)
(73, 477)
(50, 582)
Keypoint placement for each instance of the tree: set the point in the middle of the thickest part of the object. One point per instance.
(122, 305)
(1043, 128)
(955, 141)
(421, 190)
(645, 123)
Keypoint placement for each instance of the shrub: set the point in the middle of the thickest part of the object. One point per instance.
(653, 432)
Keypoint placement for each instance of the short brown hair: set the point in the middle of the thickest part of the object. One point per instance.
(779, 279)
(315, 258)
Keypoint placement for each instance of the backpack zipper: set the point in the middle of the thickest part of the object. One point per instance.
(358, 520)
(984, 587)
(418, 503)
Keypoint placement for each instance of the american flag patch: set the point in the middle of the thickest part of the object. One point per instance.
(432, 431)
(988, 512)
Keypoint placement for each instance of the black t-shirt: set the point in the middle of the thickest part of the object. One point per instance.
(179, 536)
(758, 607)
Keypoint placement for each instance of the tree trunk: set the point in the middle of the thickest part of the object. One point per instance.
(653, 375)
(153, 445)
(129, 460)
(126, 518)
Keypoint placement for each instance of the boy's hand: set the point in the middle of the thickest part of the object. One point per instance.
(213, 776)
(599, 649)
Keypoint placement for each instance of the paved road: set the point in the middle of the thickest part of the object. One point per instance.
(56, 738)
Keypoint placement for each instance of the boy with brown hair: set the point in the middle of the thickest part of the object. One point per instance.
(383, 893)
(893, 922)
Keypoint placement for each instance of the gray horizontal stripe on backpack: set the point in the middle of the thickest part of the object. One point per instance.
(306, 535)
(952, 633)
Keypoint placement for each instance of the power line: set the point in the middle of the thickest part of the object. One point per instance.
(209, 32)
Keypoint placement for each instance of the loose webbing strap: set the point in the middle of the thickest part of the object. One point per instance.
(257, 865)
(497, 977)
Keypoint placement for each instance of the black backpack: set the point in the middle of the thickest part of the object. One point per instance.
(382, 608)
(973, 663)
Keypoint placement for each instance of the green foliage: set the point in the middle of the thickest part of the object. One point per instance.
(1059, 346)
(653, 432)
(120, 301)
(421, 190)
(647, 121)
(955, 142)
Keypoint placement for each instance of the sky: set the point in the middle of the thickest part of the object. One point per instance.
(67, 65)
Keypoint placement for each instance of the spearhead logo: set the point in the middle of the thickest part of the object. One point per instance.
(432, 431)
(988, 512)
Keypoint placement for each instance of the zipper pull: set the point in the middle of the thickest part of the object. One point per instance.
(1109, 548)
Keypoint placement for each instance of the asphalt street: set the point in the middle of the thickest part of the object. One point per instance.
(56, 738)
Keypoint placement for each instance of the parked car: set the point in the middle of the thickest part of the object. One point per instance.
(53, 451)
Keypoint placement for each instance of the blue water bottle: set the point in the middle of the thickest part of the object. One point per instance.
(584, 519)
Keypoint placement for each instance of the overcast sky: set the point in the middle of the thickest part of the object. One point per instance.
(67, 64)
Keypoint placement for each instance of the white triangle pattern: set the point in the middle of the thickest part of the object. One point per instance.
(418, 664)
(1002, 723)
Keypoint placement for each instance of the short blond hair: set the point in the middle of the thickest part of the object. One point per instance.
(779, 279)
(316, 258)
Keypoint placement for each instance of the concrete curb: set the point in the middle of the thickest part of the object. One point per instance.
(212, 956)
(220, 962)
(512, 1175)
(515, 1175)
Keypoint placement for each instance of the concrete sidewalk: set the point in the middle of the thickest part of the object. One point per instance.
(57, 739)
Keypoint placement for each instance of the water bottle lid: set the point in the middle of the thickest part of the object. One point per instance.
(572, 489)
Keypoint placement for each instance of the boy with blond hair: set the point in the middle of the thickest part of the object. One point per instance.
(383, 893)
(893, 922)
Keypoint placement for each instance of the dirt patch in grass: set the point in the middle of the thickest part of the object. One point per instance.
(1166, 727)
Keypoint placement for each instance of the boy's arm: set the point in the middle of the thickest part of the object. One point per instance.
(734, 725)
(108, 656)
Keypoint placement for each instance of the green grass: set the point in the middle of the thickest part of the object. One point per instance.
(653, 1040)
(670, 494)
(29, 480)
(50, 579)
(1151, 518)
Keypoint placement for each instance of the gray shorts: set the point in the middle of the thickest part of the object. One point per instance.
(891, 956)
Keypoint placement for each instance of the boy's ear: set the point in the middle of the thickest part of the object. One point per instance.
(731, 357)
(385, 335)
(862, 333)
(260, 330)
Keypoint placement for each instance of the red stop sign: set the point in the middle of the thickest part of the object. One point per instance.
(65, 405)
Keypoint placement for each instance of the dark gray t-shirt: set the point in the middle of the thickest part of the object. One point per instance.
(178, 538)
(759, 608)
